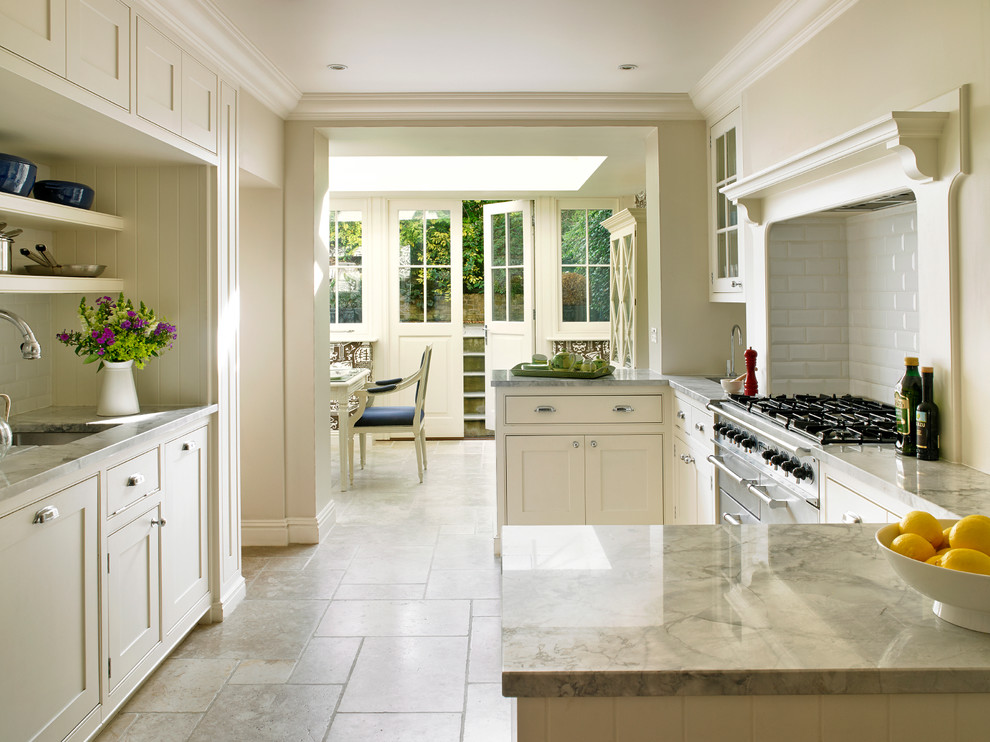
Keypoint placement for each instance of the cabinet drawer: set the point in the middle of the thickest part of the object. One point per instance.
(611, 408)
(129, 482)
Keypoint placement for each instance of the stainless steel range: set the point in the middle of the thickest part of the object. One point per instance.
(768, 451)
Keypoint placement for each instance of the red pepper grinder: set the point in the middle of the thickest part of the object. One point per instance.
(750, 387)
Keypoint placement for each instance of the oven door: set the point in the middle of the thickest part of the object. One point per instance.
(736, 502)
(783, 504)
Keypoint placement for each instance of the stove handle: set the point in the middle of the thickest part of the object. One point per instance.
(795, 451)
(732, 520)
(716, 461)
(761, 493)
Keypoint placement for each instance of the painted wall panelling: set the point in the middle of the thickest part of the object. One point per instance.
(35, 30)
(98, 48)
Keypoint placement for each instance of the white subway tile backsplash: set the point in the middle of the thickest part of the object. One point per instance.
(858, 284)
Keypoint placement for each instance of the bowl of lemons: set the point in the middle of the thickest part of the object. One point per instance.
(945, 560)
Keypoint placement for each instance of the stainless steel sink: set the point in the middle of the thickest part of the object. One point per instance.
(49, 437)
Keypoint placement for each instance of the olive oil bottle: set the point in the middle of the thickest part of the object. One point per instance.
(907, 395)
(926, 419)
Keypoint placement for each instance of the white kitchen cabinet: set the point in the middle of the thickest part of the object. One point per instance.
(133, 592)
(199, 85)
(843, 505)
(185, 537)
(577, 454)
(159, 77)
(35, 30)
(593, 479)
(50, 617)
(725, 236)
(629, 340)
(693, 499)
(98, 48)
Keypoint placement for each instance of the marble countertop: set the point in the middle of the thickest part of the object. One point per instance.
(26, 467)
(714, 610)
(946, 490)
(699, 388)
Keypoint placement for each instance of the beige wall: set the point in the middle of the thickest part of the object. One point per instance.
(884, 55)
(262, 143)
(262, 380)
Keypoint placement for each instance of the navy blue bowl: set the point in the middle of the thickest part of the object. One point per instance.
(64, 192)
(17, 175)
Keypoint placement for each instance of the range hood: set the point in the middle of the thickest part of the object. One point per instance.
(874, 204)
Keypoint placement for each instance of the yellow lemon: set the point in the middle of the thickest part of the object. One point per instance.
(972, 532)
(913, 546)
(936, 560)
(942, 551)
(945, 537)
(967, 560)
(924, 524)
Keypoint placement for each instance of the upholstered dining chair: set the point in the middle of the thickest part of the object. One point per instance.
(374, 418)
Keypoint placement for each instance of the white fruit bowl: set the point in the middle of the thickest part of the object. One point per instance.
(961, 598)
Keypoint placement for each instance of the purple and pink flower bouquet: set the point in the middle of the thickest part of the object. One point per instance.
(116, 331)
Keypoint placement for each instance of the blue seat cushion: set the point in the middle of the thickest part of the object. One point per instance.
(387, 417)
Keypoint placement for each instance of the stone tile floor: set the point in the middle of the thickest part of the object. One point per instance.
(388, 631)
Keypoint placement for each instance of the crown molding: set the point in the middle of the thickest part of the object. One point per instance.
(495, 106)
(211, 35)
(786, 29)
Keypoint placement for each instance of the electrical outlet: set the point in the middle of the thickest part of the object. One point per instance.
(653, 335)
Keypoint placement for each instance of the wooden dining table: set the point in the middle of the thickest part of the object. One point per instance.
(341, 390)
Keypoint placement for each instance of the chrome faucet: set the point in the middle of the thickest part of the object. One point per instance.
(730, 364)
(30, 348)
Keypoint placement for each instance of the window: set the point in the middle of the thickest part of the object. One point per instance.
(424, 266)
(584, 265)
(346, 269)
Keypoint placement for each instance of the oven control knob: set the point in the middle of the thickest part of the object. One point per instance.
(778, 459)
(804, 472)
(750, 443)
(790, 465)
(738, 437)
(769, 454)
(721, 428)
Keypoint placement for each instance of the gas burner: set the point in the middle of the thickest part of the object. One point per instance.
(826, 419)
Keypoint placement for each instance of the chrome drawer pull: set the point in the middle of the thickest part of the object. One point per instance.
(699, 427)
(765, 498)
(622, 408)
(135, 479)
(576, 444)
(160, 522)
(850, 517)
(190, 446)
(688, 458)
(732, 519)
(545, 408)
(681, 415)
(46, 514)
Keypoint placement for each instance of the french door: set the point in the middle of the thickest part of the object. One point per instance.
(425, 286)
(509, 308)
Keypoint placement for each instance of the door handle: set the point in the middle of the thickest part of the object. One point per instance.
(732, 520)
(717, 463)
(622, 408)
(765, 498)
(545, 408)
(135, 479)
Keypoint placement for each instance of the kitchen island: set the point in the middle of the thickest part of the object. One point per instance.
(690, 633)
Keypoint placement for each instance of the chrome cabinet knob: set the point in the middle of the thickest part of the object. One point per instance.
(135, 479)
(576, 444)
(594, 444)
(160, 522)
(190, 446)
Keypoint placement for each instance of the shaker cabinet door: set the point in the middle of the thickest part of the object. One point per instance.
(185, 540)
(159, 70)
(49, 621)
(624, 479)
(199, 103)
(545, 479)
(98, 48)
(133, 576)
(35, 30)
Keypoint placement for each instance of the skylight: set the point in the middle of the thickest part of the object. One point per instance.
(462, 173)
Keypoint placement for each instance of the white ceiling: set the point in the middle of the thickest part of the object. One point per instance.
(496, 46)
(499, 46)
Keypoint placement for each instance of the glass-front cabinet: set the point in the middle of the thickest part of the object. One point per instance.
(726, 252)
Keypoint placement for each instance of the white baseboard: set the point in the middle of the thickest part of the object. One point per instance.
(285, 531)
(229, 601)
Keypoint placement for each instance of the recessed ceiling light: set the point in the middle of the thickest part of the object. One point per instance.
(336, 67)
(628, 66)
